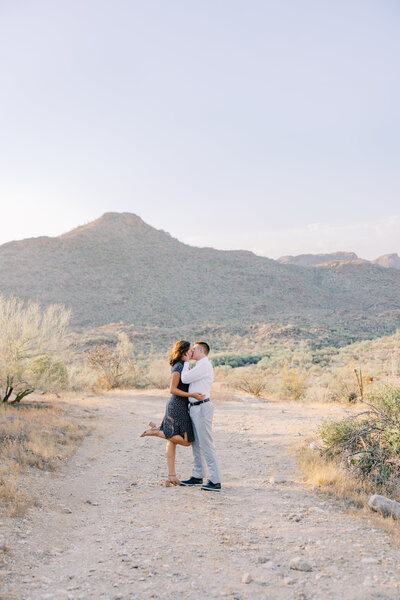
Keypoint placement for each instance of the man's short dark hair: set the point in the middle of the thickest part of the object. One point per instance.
(205, 347)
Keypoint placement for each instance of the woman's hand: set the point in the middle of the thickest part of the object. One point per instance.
(199, 397)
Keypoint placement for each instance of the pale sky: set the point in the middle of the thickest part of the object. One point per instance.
(256, 124)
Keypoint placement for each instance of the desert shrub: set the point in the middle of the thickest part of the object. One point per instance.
(49, 374)
(127, 360)
(342, 386)
(277, 357)
(252, 382)
(104, 360)
(348, 385)
(293, 383)
(158, 374)
(299, 355)
(223, 373)
(316, 392)
(27, 332)
(82, 376)
(323, 356)
(394, 362)
(115, 366)
(370, 446)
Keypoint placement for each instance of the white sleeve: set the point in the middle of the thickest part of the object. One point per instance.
(189, 376)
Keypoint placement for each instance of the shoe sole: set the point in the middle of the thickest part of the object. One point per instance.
(190, 484)
(210, 489)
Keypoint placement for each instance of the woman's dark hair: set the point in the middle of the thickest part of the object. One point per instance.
(178, 350)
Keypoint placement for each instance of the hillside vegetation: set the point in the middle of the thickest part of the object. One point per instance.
(308, 371)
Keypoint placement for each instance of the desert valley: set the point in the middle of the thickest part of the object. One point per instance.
(306, 353)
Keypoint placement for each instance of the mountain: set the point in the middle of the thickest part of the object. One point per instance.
(314, 260)
(119, 269)
(389, 261)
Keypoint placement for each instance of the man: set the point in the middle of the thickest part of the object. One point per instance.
(200, 378)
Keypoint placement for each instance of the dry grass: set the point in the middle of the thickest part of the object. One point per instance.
(330, 478)
(158, 374)
(12, 498)
(37, 435)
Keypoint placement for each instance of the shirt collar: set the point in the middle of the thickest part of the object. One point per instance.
(201, 360)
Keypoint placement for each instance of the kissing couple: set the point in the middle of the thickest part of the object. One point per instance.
(189, 414)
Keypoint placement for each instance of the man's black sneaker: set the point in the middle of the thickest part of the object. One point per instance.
(212, 487)
(192, 481)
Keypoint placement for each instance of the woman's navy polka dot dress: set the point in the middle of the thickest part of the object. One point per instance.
(176, 419)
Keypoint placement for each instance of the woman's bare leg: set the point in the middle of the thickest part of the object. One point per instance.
(170, 452)
(176, 439)
(153, 432)
(181, 441)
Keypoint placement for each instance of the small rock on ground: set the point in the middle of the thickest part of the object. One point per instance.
(299, 564)
(385, 506)
(277, 479)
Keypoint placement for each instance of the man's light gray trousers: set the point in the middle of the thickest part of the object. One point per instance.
(203, 446)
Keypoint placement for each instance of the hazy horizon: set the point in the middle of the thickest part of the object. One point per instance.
(271, 127)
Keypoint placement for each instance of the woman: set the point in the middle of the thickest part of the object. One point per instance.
(176, 426)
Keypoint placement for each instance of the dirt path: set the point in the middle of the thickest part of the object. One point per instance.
(108, 528)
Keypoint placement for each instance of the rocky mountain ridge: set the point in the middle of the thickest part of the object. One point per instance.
(389, 261)
(120, 269)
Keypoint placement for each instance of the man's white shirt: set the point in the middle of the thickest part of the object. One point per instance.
(199, 378)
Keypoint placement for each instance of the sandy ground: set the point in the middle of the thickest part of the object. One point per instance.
(109, 528)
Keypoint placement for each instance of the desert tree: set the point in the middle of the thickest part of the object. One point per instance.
(27, 332)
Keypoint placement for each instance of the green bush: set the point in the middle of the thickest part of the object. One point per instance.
(323, 356)
(236, 360)
(370, 443)
(49, 374)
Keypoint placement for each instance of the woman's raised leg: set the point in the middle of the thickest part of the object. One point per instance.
(153, 432)
(176, 439)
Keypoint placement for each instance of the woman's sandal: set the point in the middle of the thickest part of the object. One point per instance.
(172, 481)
